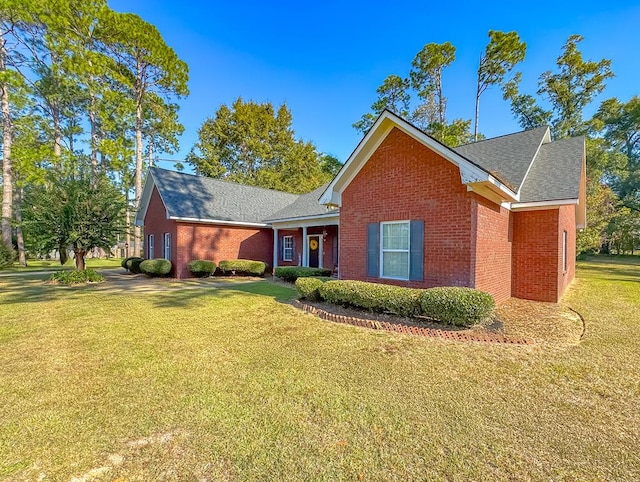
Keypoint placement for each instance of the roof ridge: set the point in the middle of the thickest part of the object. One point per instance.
(214, 179)
(501, 136)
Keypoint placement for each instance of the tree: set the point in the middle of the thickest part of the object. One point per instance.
(252, 143)
(392, 95)
(500, 56)
(76, 213)
(426, 80)
(330, 164)
(568, 91)
(620, 124)
(154, 73)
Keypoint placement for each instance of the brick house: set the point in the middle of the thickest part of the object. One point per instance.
(499, 215)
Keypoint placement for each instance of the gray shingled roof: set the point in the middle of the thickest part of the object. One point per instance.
(305, 205)
(555, 174)
(507, 157)
(195, 197)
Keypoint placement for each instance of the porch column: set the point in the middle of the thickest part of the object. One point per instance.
(305, 261)
(275, 248)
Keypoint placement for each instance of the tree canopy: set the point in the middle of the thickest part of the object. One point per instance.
(254, 143)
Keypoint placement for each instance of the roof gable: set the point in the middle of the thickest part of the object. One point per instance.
(470, 171)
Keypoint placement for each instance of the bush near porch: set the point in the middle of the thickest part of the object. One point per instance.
(292, 273)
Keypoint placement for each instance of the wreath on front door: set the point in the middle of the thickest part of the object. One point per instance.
(313, 244)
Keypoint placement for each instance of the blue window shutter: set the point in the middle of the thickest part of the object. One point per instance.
(373, 249)
(416, 255)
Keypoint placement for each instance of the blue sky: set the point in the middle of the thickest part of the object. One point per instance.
(325, 59)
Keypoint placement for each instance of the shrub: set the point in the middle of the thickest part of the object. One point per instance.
(456, 306)
(242, 267)
(76, 277)
(155, 267)
(372, 296)
(6, 256)
(132, 264)
(309, 288)
(292, 273)
(201, 268)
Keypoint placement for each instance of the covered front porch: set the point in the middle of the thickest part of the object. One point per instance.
(311, 242)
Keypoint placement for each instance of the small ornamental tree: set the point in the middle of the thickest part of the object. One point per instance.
(74, 213)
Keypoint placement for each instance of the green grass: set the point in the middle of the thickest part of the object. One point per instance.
(54, 265)
(231, 384)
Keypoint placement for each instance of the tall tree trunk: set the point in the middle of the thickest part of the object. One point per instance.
(79, 255)
(475, 125)
(93, 142)
(7, 137)
(137, 232)
(57, 133)
(19, 235)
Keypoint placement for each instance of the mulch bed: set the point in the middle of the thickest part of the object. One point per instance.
(516, 322)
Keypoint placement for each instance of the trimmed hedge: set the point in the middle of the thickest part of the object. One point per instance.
(6, 256)
(242, 267)
(132, 264)
(309, 288)
(74, 277)
(292, 273)
(201, 268)
(155, 267)
(455, 305)
(372, 296)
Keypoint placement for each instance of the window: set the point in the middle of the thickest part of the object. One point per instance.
(394, 252)
(167, 245)
(564, 251)
(287, 248)
(150, 247)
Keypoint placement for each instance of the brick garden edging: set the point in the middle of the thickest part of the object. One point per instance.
(411, 329)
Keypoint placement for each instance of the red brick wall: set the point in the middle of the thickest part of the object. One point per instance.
(297, 246)
(492, 249)
(536, 255)
(218, 243)
(404, 180)
(156, 223)
(567, 222)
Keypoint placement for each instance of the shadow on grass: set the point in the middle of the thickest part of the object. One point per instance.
(184, 298)
(34, 289)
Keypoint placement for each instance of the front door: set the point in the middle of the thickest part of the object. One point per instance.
(314, 251)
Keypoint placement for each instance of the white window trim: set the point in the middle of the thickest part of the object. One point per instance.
(382, 250)
(167, 246)
(564, 250)
(151, 248)
(284, 248)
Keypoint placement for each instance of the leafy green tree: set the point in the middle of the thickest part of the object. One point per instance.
(500, 56)
(568, 91)
(330, 165)
(252, 143)
(76, 213)
(392, 95)
(620, 125)
(154, 73)
(426, 80)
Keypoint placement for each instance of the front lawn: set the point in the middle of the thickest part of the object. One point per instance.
(233, 384)
(54, 265)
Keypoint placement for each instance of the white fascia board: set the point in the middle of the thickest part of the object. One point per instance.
(532, 206)
(145, 199)
(309, 222)
(218, 221)
(322, 217)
